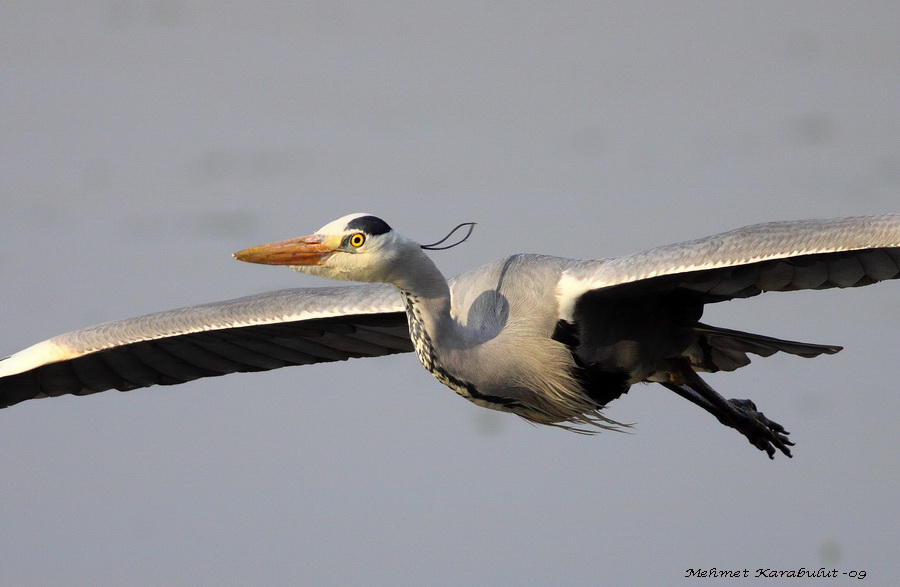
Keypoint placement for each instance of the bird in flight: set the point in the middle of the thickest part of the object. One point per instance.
(550, 339)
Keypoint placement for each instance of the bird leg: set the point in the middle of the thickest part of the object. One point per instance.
(740, 414)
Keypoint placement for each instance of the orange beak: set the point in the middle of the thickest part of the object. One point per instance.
(305, 250)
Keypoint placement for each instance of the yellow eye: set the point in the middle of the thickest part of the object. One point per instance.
(357, 240)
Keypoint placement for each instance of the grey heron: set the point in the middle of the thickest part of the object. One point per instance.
(550, 339)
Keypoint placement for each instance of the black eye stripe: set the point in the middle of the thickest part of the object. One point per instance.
(371, 225)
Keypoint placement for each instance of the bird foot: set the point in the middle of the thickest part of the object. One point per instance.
(762, 433)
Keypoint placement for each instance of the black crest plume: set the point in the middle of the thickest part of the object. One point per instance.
(437, 246)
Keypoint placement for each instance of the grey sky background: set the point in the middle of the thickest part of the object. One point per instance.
(143, 141)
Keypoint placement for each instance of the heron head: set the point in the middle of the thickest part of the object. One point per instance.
(357, 247)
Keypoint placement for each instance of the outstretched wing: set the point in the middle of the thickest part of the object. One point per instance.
(776, 256)
(254, 333)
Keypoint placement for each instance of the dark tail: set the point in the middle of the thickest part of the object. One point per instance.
(726, 350)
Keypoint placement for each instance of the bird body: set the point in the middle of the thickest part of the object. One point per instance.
(550, 339)
(496, 341)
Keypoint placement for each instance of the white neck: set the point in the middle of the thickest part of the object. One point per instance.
(428, 309)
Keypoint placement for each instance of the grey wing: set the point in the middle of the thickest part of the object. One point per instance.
(776, 256)
(254, 333)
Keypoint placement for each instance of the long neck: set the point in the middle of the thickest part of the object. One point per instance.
(437, 336)
(427, 297)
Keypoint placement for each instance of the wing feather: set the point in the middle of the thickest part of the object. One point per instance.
(254, 333)
(776, 256)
